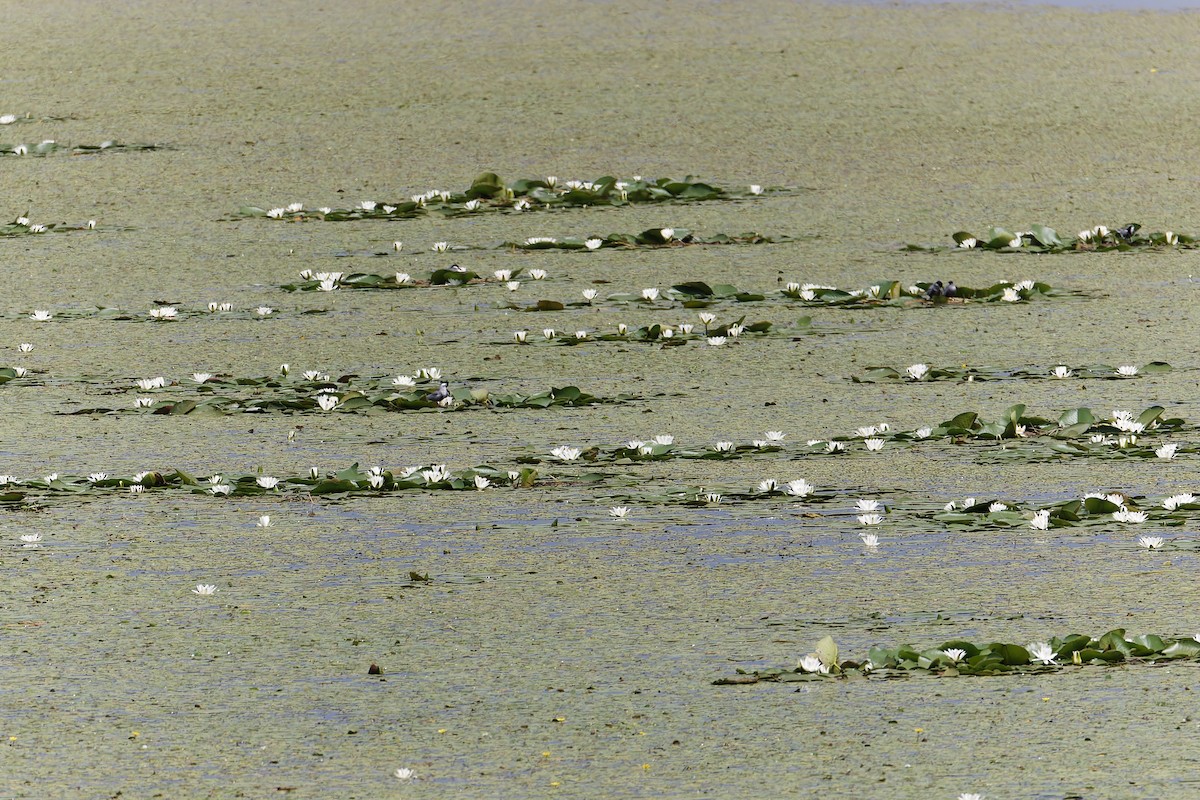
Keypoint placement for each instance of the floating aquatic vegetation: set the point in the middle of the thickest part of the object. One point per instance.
(157, 313)
(23, 226)
(653, 237)
(351, 480)
(1042, 239)
(960, 657)
(50, 146)
(451, 276)
(982, 373)
(666, 335)
(215, 396)
(488, 192)
(894, 293)
(664, 448)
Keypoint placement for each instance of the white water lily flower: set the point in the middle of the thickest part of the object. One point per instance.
(367, 205)
(375, 481)
(1170, 237)
(997, 506)
(866, 431)
(1017, 241)
(522, 205)
(327, 285)
(221, 489)
(712, 497)
(143, 402)
(965, 244)
(1166, 452)
(41, 315)
(1151, 542)
(734, 331)
(1100, 231)
(955, 654)
(759, 443)
(580, 335)
(775, 436)
(707, 317)
(137, 488)
(869, 540)
(503, 274)
(204, 589)
(618, 511)
(590, 294)
(650, 294)
(404, 381)
(917, 371)
(663, 438)
(430, 373)
(548, 333)
(96, 477)
(565, 453)
(472, 205)
(1041, 520)
(755, 189)
(25, 347)
(8, 119)
(264, 311)
(264, 521)
(686, 328)
(146, 384)
(165, 312)
(314, 375)
(405, 774)
(835, 447)
(1063, 372)
(520, 336)
(1125, 515)
(481, 483)
(1041, 652)
(1024, 286)
(540, 240)
(667, 333)
(440, 247)
(922, 432)
(870, 519)
(327, 402)
(593, 243)
(715, 341)
(446, 401)
(276, 213)
(31, 538)
(1176, 500)
(866, 505)
(403, 278)
(1127, 370)
(512, 286)
(538, 274)
(767, 485)
(798, 488)
(970, 796)
(201, 377)
(723, 447)
(267, 482)
(812, 663)
(667, 234)
(1010, 295)
(873, 444)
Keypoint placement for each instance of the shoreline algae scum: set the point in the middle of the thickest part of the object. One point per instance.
(559, 632)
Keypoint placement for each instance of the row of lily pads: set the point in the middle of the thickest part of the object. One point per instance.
(960, 657)
(488, 192)
(330, 398)
(159, 313)
(49, 146)
(351, 480)
(1043, 239)
(23, 226)
(924, 372)
(652, 238)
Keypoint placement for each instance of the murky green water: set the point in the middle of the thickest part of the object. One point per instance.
(556, 650)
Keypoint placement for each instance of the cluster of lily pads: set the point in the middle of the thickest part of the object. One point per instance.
(924, 372)
(23, 226)
(894, 293)
(49, 146)
(668, 335)
(317, 391)
(159, 313)
(349, 481)
(488, 192)
(960, 657)
(1043, 239)
(1095, 508)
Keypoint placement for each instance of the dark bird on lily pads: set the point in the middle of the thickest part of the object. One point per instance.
(443, 391)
